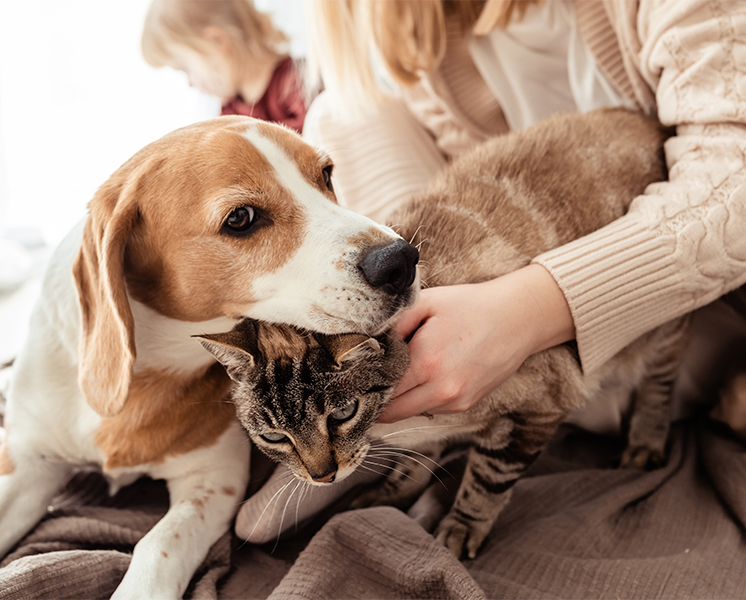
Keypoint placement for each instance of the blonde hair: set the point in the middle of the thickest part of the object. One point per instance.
(170, 23)
(408, 37)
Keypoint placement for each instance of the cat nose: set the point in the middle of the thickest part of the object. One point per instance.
(390, 268)
(327, 477)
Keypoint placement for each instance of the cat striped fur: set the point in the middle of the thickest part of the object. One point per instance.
(487, 214)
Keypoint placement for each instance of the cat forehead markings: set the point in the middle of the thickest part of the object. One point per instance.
(280, 341)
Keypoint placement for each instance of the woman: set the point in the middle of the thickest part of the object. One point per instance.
(468, 70)
(446, 75)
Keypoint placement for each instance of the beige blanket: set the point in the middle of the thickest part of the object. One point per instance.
(575, 528)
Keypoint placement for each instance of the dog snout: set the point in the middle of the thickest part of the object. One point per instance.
(390, 268)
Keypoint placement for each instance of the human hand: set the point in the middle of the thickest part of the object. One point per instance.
(469, 339)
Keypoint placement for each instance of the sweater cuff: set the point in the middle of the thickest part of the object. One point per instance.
(619, 283)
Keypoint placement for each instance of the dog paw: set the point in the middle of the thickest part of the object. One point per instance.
(643, 457)
(462, 538)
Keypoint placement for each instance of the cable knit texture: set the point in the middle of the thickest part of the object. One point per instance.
(683, 243)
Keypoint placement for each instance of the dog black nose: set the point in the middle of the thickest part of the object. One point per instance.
(390, 268)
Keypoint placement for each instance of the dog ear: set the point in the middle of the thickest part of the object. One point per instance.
(344, 347)
(235, 350)
(107, 343)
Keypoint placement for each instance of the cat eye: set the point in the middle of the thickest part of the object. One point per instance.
(241, 221)
(326, 173)
(344, 414)
(274, 438)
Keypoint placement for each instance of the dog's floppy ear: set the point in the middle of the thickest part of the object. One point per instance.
(107, 343)
(235, 349)
(348, 346)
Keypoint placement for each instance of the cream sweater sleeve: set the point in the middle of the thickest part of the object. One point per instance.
(379, 159)
(683, 243)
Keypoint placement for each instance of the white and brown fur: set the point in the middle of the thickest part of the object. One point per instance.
(110, 374)
(489, 213)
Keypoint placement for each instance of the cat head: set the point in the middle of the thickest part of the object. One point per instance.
(308, 400)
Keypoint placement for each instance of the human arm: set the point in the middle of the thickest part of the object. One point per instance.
(468, 339)
(681, 246)
(682, 243)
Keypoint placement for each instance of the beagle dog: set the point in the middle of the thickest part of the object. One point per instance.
(224, 219)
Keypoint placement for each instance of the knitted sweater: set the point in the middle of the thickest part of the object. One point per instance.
(681, 245)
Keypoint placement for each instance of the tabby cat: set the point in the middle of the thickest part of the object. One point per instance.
(311, 401)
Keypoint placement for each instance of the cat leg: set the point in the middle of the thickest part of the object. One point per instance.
(409, 472)
(493, 466)
(651, 417)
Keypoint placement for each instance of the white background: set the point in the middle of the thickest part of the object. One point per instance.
(77, 100)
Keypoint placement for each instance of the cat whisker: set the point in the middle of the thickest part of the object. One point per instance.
(400, 449)
(362, 466)
(392, 453)
(394, 469)
(408, 429)
(303, 491)
(259, 520)
(284, 510)
(281, 477)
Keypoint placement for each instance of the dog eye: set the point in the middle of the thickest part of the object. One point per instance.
(344, 414)
(274, 438)
(240, 220)
(326, 173)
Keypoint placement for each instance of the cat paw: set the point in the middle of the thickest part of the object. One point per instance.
(462, 538)
(643, 457)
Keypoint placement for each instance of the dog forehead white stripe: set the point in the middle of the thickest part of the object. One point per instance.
(313, 201)
(288, 175)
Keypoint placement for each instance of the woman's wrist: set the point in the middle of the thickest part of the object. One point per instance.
(546, 315)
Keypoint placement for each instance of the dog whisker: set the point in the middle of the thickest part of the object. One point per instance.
(418, 246)
(414, 235)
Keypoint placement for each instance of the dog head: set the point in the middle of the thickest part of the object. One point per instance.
(230, 217)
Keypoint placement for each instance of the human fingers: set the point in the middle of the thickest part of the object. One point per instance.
(414, 317)
(416, 401)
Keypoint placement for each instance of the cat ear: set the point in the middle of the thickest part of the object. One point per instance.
(349, 346)
(234, 349)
